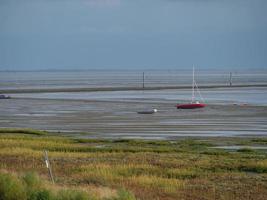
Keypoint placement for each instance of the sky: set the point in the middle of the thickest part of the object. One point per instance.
(132, 34)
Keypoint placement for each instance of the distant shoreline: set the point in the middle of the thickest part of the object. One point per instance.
(102, 89)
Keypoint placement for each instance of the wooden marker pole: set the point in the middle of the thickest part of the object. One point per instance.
(231, 79)
(143, 80)
(47, 163)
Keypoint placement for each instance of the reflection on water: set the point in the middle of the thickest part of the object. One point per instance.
(236, 147)
(172, 135)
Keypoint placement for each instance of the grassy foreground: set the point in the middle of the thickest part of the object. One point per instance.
(129, 169)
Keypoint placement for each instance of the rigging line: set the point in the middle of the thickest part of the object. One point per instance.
(193, 85)
(199, 92)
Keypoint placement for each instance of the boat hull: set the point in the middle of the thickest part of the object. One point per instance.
(145, 112)
(148, 111)
(190, 106)
(4, 96)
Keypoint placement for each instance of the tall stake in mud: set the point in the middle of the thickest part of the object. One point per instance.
(48, 166)
(231, 79)
(143, 80)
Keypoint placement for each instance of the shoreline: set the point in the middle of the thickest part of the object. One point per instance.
(101, 89)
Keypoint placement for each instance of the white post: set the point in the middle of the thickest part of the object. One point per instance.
(47, 163)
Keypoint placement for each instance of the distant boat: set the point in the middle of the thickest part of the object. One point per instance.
(148, 111)
(193, 104)
(2, 96)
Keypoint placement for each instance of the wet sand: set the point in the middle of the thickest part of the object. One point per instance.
(119, 119)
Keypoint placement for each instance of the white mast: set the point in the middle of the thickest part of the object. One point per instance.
(193, 86)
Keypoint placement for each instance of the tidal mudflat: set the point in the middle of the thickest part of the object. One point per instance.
(105, 115)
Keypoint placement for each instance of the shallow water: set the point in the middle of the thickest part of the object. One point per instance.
(177, 134)
(133, 78)
(237, 147)
(220, 96)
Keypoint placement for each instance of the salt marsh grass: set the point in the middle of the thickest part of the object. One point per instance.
(130, 169)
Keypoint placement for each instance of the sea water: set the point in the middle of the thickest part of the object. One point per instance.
(125, 78)
(134, 78)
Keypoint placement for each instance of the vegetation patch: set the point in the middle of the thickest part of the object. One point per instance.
(246, 150)
(30, 187)
(24, 131)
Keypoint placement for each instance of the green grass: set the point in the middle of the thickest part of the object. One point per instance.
(31, 187)
(11, 188)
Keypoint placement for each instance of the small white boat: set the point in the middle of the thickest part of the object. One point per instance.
(148, 111)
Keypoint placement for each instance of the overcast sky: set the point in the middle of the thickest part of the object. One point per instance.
(132, 34)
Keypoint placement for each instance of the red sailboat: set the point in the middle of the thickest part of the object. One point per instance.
(193, 104)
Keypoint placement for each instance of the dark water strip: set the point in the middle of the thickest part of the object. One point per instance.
(96, 89)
